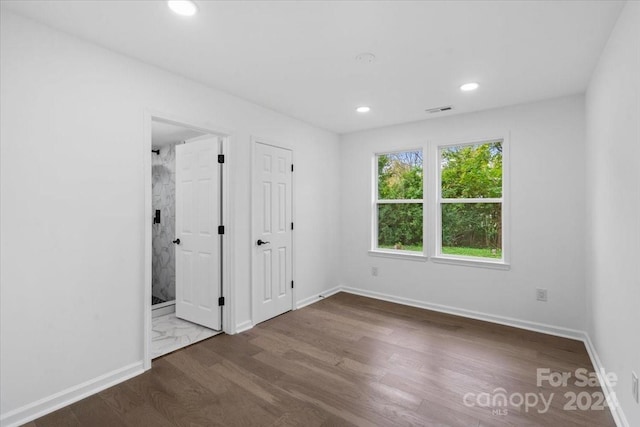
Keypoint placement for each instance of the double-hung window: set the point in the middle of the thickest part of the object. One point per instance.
(456, 214)
(398, 202)
(470, 198)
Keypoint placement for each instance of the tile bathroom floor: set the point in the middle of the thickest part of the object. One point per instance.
(170, 334)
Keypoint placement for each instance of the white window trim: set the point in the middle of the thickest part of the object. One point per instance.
(436, 212)
(431, 233)
(408, 255)
(395, 253)
(398, 201)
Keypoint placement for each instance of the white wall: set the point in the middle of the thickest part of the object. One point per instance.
(547, 216)
(72, 189)
(613, 206)
(72, 223)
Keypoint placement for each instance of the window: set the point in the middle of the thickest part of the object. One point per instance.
(470, 201)
(398, 202)
(455, 212)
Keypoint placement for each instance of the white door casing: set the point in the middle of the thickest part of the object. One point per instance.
(272, 268)
(198, 254)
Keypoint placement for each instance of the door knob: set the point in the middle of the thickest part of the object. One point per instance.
(177, 241)
(261, 242)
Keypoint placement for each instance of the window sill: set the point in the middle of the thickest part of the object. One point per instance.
(472, 262)
(412, 256)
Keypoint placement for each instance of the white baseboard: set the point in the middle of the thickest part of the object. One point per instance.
(607, 388)
(244, 326)
(616, 410)
(502, 320)
(163, 309)
(315, 298)
(248, 324)
(71, 395)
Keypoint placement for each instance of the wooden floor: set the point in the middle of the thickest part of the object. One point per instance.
(348, 360)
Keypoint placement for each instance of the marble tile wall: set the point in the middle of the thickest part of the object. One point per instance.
(163, 193)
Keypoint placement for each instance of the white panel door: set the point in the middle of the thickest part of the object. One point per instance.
(197, 219)
(272, 268)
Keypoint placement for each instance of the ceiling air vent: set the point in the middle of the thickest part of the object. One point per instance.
(439, 109)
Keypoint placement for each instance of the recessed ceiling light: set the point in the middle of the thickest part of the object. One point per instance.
(363, 109)
(183, 7)
(467, 87)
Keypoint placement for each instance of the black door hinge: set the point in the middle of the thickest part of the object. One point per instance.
(221, 229)
(291, 167)
(292, 284)
(292, 226)
(220, 158)
(221, 301)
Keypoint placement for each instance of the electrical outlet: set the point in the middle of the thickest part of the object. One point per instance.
(374, 271)
(635, 392)
(541, 294)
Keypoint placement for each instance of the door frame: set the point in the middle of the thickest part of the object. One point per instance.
(226, 137)
(258, 140)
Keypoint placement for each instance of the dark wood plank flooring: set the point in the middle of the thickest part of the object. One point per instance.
(348, 360)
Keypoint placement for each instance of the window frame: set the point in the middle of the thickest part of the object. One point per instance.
(376, 202)
(431, 210)
(438, 201)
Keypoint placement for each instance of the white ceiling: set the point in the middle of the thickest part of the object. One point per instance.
(297, 57)
(163, 134)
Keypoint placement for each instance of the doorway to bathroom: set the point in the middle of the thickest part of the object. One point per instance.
(186, 241)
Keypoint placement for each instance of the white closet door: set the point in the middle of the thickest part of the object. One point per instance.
(272, 260)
